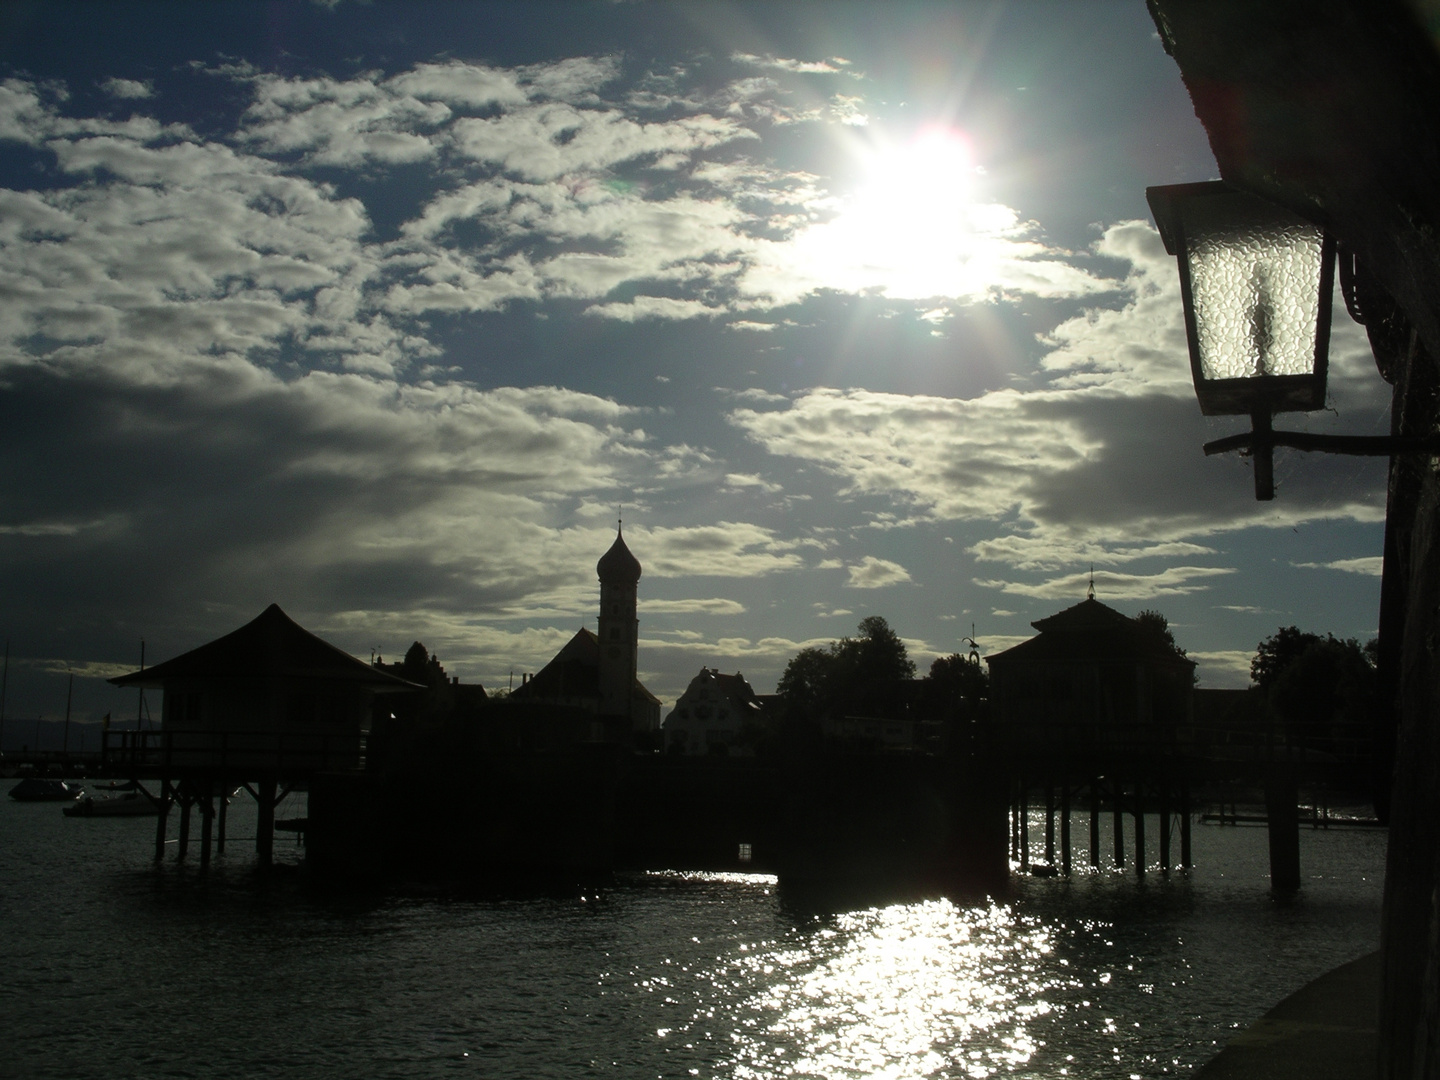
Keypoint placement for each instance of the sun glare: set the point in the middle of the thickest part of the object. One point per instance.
(913, 228)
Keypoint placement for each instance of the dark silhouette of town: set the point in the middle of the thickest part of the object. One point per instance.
(854, 772)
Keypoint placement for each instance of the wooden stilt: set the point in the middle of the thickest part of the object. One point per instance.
(1065, 829)
(1015, 821)
(1024, 829)
(207, 825)
(224, 810)
(184, 796)
(1094, 823)
(1049, 823)
(1164, 808)
(1281, 796)
(1139, 829)
(1119, 814)
(162, 818)
(1185, 859)
(265, 825)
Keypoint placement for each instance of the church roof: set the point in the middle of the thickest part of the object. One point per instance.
(618, 564)
(1090, 631)
(573, 672)
(269, 646)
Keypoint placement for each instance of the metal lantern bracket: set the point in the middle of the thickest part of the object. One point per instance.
(1264, 395)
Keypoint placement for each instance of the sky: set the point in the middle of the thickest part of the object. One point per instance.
(387, 312)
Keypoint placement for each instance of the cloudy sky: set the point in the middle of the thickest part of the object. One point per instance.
(384, 311)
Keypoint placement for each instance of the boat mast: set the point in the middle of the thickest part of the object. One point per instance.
(69, 693)
(140, 701)
(4, 685)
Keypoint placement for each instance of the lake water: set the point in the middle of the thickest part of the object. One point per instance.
(113, 967)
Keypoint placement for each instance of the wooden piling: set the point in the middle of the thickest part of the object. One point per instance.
(1185, 859)
(1164, 809)
(265, 825)
(1065, 829)
(1094, 823)
(1119, 815)
(224, 809)
(207, 825)
(161, 818)
(183, 843)
(1283, 814)
(1139, 829)
(1049, 823)
(1024, 828)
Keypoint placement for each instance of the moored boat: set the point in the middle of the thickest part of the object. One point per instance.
(37, 789)
(131, 804)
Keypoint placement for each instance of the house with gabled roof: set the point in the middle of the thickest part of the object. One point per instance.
(270, 694)
(1091, 676)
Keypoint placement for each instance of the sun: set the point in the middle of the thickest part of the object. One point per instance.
(912, 228)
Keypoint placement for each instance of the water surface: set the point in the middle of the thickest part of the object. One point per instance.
(113, 967)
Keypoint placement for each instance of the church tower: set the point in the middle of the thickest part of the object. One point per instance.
(619, 633)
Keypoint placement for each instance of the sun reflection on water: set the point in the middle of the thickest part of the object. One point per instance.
(917, 989)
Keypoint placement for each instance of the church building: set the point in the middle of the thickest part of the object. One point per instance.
(598, 671)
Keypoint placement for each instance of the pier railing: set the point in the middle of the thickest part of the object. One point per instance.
(234, 753)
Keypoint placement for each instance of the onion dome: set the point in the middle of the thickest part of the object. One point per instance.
(618, 564)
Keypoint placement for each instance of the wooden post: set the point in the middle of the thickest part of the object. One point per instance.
(1014, 821)
(1119, 814)
(265, 825)
(1281, 797)
(1139, 829)
(1164, 808)
(1024, 829)
(1094, 823)
(1185, 860)
(184, 797)
(224, 810)
(207, 824)
(1049, 823)
(1065, 828)
(160, 819)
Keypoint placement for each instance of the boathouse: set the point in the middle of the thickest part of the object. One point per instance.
(269, 706)
(1091, 675)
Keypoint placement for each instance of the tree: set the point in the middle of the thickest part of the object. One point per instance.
(1277, 652)
(1157, 626)
(1325, 696)
(852, 675)
(955, 678)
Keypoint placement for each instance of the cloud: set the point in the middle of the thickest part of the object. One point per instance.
(875, 573)
(1098, 462)
(1227, 667)
(833, 66)
(1369, 565)
(743, 481)
(1173, 581)
(711, 606)
(127, 89)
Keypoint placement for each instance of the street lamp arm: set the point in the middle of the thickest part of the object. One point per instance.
(1364, 445)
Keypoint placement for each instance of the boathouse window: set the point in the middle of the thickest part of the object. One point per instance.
(746, 853)
(300, 709)
(186, 710)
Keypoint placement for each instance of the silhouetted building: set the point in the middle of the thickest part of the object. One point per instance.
(1091, 676)
(598, 672)
(269, 691)
(445, 694)
(717, 714)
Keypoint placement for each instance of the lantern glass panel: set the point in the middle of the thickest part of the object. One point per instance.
(1259, 285)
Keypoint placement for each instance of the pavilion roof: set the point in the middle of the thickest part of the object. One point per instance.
(269, 646)
(1090, 631)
